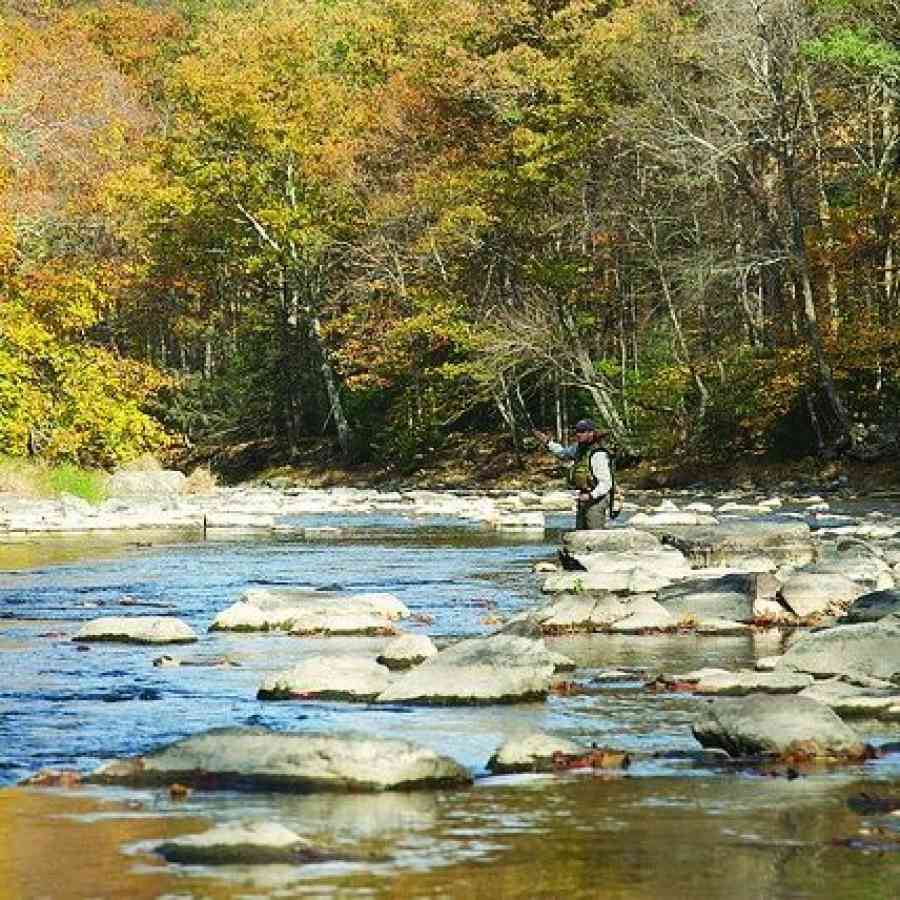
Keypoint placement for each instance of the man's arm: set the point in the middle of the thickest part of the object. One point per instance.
(602, 471)
(557, 449)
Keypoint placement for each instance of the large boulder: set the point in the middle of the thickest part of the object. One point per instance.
(873, 606)
(730, 543)
(327, 678)
(259, 759)
(810, 594)
(870, 648)
(137, 630)
(502, 668)
(765, 724)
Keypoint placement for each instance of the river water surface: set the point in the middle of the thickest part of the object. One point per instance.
(663, 829)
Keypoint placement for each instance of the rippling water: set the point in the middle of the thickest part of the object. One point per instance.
(663, 830)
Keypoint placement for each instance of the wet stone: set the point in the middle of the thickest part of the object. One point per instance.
(765, 724)
(137, 630)
(259, 843)
(259, 759)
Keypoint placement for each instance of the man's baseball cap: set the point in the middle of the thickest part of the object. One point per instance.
(584, 425)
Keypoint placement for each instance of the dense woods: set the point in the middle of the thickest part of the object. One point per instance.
(386, 221)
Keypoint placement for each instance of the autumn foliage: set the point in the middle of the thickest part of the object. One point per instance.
(229, 220)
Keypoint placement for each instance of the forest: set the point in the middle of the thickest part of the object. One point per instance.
(387, 222)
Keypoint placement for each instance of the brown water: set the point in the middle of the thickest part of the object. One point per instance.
(571, 836)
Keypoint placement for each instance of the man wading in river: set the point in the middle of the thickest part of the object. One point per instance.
(590, 473)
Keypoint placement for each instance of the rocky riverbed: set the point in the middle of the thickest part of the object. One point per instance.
(167, 654)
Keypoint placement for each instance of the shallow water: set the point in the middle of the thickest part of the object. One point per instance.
(665, 829)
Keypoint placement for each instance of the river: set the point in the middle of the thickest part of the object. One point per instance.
(662, 829)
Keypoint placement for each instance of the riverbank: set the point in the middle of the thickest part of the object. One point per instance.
(488, 461)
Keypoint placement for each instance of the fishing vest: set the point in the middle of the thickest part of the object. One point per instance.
(581, 475)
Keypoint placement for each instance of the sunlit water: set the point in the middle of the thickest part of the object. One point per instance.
(664, 829)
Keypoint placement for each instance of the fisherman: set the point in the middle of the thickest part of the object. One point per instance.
(590, 473)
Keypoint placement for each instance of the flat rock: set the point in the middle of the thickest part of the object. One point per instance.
(407, 651)
(615, 540)
(137, 630)
(327, 678)
(726, 597)
(502, 668)
(871, 574)
(850, 701)
(810, 594)
(583, 612)
(729, 543)
(763, 724)
(259, 759)
(530, 753)
(681, 518)
(627, 581)
(259, 843)
(319, 624)
(870, 648)
(286, 609)
(662, 561)
(644, 614)
(739, 684)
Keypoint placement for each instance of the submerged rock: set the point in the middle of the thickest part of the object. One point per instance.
(327, 678)
(137, 630)
(259, 843)
(762, 724)
(502, 668)
(259, 759)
